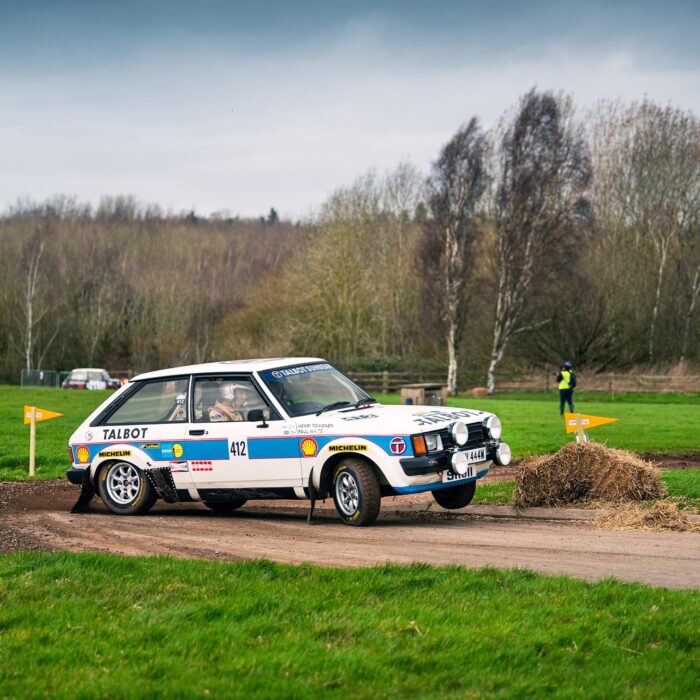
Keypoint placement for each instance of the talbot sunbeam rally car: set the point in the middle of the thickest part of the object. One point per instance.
(227, 432)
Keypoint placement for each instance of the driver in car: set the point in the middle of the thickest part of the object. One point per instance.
(230, 406)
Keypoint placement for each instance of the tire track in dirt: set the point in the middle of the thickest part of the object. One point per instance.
(279, 531)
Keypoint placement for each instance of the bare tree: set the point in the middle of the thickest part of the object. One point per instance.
(544, 171)
(34, 304)
(457, 184)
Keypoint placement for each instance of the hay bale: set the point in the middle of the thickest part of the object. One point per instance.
(659, 517)
(586, 471)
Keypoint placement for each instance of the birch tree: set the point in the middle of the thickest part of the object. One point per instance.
(457, 185)
(34, 304)
(543, 175)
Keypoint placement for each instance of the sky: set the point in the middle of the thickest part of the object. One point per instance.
(242, 106)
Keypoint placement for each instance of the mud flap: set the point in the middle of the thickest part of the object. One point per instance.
(86, 494)
(162, 481)
(312, 496)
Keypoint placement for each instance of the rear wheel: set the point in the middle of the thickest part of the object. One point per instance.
(356, 492)
(125, 489)
(455, 496)
(223, 507)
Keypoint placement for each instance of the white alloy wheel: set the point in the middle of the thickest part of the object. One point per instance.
(123, 483)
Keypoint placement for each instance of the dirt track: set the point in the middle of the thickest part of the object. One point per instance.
(36, 515)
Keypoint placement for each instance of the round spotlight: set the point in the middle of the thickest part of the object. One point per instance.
(493, 427)
(459, 463)
(503, 454)
(460, 433)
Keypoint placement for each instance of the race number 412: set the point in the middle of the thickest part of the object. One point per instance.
(238, 449)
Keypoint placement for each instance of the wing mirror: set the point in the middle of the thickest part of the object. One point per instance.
(258, 414)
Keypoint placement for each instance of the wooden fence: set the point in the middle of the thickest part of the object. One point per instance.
(391, 382)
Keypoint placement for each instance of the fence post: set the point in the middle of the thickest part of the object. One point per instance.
(385, 382)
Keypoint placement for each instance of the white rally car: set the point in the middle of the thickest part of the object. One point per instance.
(228, 432)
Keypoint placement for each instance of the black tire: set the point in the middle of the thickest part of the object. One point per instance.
(455, 496)
(224, 507)
(356, 492)
(125, 489)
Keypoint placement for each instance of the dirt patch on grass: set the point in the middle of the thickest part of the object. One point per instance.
(587, 471)
(661, 516)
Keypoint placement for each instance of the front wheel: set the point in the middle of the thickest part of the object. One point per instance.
(455, 496)
(125, 489)
(356, 492)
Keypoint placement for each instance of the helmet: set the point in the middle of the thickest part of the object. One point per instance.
(567, 365)
(227, 391)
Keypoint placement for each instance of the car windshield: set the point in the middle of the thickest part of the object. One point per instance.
(307, 389)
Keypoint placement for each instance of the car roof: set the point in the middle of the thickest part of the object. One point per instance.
(229, 366)
(88, 369)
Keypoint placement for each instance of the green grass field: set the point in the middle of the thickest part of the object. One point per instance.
(650, 423)
(93, 625)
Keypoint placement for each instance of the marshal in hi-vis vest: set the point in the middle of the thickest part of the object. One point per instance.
(565, 382)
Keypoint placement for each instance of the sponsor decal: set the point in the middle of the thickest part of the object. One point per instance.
(89, 435)
(199, 466)
(308, 447)
(437, 416)
(347, 448)
(293, 371)
(313, 428)
(123, 433)
(176, 467)
(177, 450)
(82, 454)
(398, 446)
(362, 416)
(114, 453)
(150, 446)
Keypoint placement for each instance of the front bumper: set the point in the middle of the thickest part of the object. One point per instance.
(439, 461)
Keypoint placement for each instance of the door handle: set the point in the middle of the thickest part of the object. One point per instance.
(198, 432)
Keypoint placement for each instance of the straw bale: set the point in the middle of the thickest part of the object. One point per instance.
(660, 516)
(586, 471)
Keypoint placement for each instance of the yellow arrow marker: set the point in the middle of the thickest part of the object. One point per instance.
(40, 414)
(587, 422)
(34, 415)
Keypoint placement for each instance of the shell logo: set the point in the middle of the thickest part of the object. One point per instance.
(177, 450)
(83, 454)
(308, 447)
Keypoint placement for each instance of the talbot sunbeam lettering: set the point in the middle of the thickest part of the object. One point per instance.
(224, 433)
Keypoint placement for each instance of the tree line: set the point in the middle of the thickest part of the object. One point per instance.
(557, 234)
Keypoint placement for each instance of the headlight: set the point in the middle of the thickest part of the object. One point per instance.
(433, 442)
(493, 427)
(459, 463)
(460, 433)
(503, 454)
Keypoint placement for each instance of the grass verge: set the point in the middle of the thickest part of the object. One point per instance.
(91, 625)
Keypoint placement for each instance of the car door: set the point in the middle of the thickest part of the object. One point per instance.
(261, 453)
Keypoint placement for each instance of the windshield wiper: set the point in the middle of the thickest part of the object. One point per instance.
(366, 400)
(331, 406)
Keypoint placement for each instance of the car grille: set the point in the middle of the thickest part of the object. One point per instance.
(476, 437)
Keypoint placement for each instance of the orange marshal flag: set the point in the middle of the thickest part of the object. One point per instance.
(40, 414)
(587, 422)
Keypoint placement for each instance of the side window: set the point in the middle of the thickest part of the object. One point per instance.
(223, 399)
(154, 402)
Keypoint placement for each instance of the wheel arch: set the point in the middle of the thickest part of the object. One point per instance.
(326, 473)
